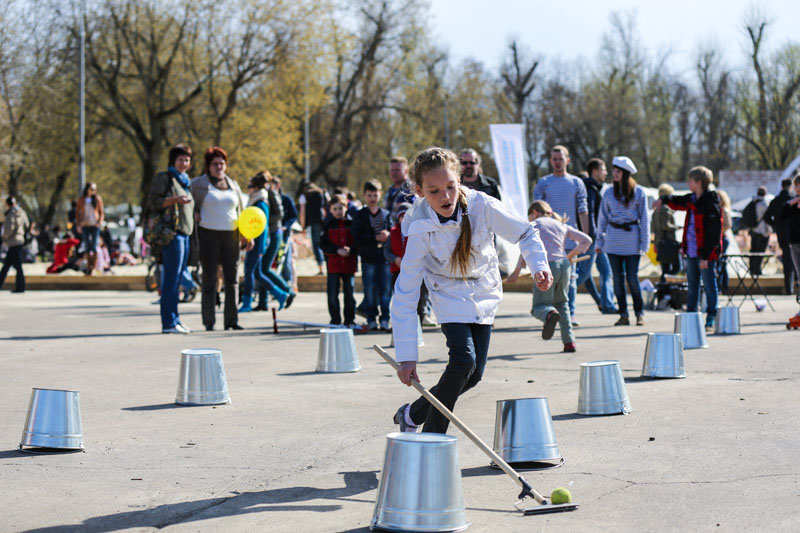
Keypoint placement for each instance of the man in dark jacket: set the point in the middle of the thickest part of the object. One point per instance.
(370, 230)
(472, 177)
(781, 228)
(604, 297)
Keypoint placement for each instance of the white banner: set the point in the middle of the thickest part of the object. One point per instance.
(508, 142)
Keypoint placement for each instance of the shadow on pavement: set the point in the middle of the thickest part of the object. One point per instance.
(642, 379)
(480, 471)
(568, 416)
(274, 500)
(86, 336)
(159, 407)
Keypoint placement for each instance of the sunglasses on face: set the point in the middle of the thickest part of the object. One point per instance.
(468, 163)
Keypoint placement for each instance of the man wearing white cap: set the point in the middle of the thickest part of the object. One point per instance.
(623, 233)
(566, 195)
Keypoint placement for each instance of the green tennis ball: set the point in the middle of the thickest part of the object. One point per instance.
(560, 495)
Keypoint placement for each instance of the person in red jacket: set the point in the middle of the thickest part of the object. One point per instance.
(337, 244)
(63, 257)
(702, 238)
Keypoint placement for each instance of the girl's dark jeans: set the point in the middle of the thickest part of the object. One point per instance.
(468, 345)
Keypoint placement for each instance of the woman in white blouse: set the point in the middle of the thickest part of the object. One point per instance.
(218, 204)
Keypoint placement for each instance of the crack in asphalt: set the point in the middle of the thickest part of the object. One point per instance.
(630, 483)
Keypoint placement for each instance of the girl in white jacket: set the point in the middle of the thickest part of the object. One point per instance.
(450, 247)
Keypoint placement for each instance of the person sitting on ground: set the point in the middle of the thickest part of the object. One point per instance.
(64, 254)
(552, 306)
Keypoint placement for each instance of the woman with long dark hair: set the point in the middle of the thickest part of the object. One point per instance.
(89, 217)
(217, 206)
(623, 232)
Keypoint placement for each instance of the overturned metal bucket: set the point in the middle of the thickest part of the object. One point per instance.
(663, 356)
(337, 351)
(728, 321)
(53, 421)
(201, 380)
(602, 389)
(524, 433)
(420, 488)
(420, 340)
(692, 330)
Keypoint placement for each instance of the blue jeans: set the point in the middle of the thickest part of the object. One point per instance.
(626, 267)
(555, 299)
(253, 272)
(348, 282)
(585, 275)
(89, 235)
(271, 282)
(468, 345)
(694, 274)
(316, 236)
(287, 273)
(572, 289)
(377, 281)
(173, 257)
(606, 285)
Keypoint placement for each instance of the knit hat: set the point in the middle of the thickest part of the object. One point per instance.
(401, 208)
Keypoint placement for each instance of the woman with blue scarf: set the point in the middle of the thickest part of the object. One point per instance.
(169, 189)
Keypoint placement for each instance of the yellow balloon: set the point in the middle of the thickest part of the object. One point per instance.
(252, 222)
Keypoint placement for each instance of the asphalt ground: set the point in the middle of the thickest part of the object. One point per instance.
(301, 451)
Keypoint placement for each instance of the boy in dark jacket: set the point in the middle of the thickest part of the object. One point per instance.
(702, 238)
(371, 231)
(337, 243)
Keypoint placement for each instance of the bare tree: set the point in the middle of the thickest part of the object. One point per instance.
(136, 52)
(770, 117)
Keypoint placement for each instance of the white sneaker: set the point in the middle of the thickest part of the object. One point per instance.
(428, 321)
(385, 325)
(182, 329)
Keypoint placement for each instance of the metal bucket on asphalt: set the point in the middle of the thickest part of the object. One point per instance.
(420, 340)
(523, 431)
(337, 351)
(692, 330)
(201, 380)
(53, 421)
(728, 321)
(663, 356)
(602, 389)
(420, 488)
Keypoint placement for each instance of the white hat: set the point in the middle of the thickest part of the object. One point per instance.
(624, 163)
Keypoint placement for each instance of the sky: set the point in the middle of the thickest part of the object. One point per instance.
(570, 29)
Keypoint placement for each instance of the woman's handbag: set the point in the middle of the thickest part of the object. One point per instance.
(161, 226)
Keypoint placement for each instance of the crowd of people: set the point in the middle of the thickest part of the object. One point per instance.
(581, 223)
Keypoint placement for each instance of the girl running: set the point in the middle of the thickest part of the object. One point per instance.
(551, 306)
(450, 247)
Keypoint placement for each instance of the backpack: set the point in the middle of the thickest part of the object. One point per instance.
(749, 215)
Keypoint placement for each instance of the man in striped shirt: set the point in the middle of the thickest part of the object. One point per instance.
(566, 194)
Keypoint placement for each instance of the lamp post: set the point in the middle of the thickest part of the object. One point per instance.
(82, 103)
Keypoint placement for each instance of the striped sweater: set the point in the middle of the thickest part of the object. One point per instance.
(566, 195)
(619, 241)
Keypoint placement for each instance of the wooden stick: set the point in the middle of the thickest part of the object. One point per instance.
(526, 488)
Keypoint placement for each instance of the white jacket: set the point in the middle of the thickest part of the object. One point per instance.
(430, 244)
